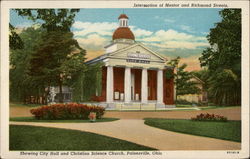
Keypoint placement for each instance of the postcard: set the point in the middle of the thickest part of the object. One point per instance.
(124, 79)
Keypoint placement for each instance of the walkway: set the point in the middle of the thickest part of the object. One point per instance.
(134, 130)
(230, 113)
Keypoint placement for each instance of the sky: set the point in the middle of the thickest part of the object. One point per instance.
(171, 32)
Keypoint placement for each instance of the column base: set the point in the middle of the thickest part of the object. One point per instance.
(110, 106)
(160, 105)
(170, 106)
(144, 102)
(127, 103)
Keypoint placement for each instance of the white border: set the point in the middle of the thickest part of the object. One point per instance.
(6, 5)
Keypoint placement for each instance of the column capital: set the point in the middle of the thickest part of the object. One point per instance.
(109, 66)
(128, 66)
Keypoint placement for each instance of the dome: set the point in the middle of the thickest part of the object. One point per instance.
(123, 16)
(123, 33)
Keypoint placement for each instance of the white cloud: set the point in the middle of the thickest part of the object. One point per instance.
(93, 42)
(170, 34)
(179, 45)
(187, 28)
(173, 39)
(169, 20)
(205, 33)
(141, 32)
(94, 36)
(156, 17)
(85, 28)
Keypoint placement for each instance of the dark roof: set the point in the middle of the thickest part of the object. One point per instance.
(97, 59)
(123, 33)
(123, 16)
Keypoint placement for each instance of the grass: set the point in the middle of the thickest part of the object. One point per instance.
(230, 130)
(218, 107)
(184, 106)
(41, 138)
(24, 105)
(32, 119)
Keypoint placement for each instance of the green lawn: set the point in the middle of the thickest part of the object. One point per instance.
(230, 130)
(32, 119)
(24, 105)
(41, 138)
(219, 107)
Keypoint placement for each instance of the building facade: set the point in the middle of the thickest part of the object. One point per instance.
(132, 74)
(198, 98)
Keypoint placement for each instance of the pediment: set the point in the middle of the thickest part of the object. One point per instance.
(137, 51)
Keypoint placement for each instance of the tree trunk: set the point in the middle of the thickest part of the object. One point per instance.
(46, 95)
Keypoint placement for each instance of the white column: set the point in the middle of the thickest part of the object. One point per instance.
(144, 86)
(127, 84)
(159, 86)
(110, 85)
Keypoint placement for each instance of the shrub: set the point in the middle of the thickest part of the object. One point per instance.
(67, 111)
(209, 117)
(97, 98)
(185, 102)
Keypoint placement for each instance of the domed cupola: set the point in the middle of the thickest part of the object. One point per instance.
(123, 31)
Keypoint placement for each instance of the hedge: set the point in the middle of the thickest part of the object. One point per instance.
(209, 117)
(67, 111)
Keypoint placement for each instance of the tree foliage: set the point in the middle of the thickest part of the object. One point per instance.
(58, 58)
(223, 59)
(184, 84)
(15, 42)
(51, 19)
(21, 84)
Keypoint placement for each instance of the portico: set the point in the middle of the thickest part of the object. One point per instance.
(134, 87)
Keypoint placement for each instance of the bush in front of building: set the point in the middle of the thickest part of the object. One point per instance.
(184, 102)
(67, 111)
(209, 117)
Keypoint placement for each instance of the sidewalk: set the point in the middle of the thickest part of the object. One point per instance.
(134, 130)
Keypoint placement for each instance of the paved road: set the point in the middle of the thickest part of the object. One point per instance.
(230, 113)
(134, 130)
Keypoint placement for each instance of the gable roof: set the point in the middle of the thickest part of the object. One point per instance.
(198, 79)
(138, 44)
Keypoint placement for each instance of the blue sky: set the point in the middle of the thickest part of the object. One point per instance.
(169, 31)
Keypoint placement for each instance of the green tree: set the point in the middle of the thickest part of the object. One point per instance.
(204, 76)
(223, 59)
(59, 57)
(183, 83)
(51, 19)
(21, 84)
(15, 42)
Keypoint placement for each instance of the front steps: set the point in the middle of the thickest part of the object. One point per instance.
(133, 106)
